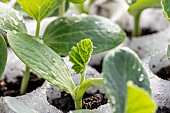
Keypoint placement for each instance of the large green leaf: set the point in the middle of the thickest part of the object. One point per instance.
(42, 60)
(18, 106)
(3, 55)
(64, 33)
(140, 5)
(10, 19)
(118, 68)
(82, 111)
(166, 8)
(39, 9)
(80, 55)
(139, 101)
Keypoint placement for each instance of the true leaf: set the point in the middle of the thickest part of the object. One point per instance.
(10, 19)
(3, 55)
(39, 9)
(130, 2)
(64, 33)
(118, 68)
(18, 106)
(77, 1)
(139, 101)
(168, 52)
(166, 8)
(42, 60)
(140, 5)
(80, 55)
(5, 1)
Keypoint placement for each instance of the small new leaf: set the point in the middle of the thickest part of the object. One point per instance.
(39, 9)
(80, 55)
(144, 103)
(3, 55)
(77, 1)
(166, 8)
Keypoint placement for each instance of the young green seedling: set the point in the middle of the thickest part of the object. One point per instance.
(50, 66)
(3, 55)
(136, 8)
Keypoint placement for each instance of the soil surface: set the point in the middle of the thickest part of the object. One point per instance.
(145, 31)
(163, 110)
(164, 73)
(13, 89)
(90, 101)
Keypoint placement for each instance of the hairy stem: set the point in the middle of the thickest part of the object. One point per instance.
(137, 30)
(38, 29)
(25, 80)
(62, 9)
(82, 77)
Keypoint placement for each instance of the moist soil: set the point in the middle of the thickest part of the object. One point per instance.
(164, 73)
(13, 88)
(145, 31)
(90, 101)
(163, 110)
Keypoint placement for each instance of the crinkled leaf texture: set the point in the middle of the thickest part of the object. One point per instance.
(42, 60)
(80, 55)
(118, 68)
(166, 8)
(64, 33)
(3, 55)
(10, 19)
(138, 100)
(77, 1)
(140, 5)
(39, 9)
(18, 106)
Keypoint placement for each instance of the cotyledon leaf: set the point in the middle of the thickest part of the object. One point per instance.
(39, 9)
(3, 55)
(65, 32)
(118, 68)
(18, 106)
(138, 100)
(137, 7)
(10, 19)
(80, 55)
(168, 52)
(166, 8)
(77, 1)
(42, 60)
(82, 111)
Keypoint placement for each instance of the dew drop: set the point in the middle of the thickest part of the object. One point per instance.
(139, 69)
(14, 31)
(45, 54)
(54, 60)
(4, 19)
(76, 21)
(141, 78)
(108, 30)
(61, 20)
(19, 16)
(73, 15)
(83, 15)
(15, 22)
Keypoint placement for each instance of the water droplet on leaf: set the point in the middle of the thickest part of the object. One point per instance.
(141, 78)
(14, 31)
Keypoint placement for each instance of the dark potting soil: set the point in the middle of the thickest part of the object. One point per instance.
(164, 73)
(90, 101)
(13, 89)
(163, 110)
(145, 31)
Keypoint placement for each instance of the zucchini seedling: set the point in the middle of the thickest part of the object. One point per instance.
(50, 66)
(136, 7)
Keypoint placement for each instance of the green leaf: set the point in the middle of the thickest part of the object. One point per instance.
(82, 111)
(3, 55)
(140, 5)
(168, 52)
(139, 101)
(166, 9)
(18, 106)
(118, 68)
(10, 19)
(39, 9)
(5, 1)
(41, 59)
(130, 2)
(77, 1)
(80, 55)
(64, 33)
